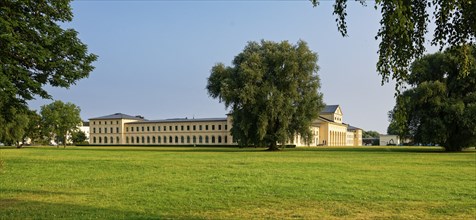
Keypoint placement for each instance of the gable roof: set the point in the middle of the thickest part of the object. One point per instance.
(118, 116)
(329, 109)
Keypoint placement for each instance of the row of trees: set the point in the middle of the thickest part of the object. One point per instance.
(57, 122)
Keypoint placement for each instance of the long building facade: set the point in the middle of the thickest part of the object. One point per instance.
(122, 129)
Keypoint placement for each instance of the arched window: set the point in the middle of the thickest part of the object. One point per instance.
(176, 139)
(105, 140)
(200, 139)
(194, 139)
(206, 139)
(143, 139)
(112, 139)
(170, 140)
(226, 139)
(127, 140)
(158, 139)
(213, 139)
(188, 139)
(219, 139)
(138, 139)
(117, 140)
(94, 139)
(148, 139)
(132, 140)
(165, 139)
(182, 139)
(100, 140)
(153, 138)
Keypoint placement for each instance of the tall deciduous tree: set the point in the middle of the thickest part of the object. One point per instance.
(60, 119)
(272, 91)
(440, 108)
(35, 51)
(404, 24)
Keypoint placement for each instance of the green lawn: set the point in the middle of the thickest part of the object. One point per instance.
(232, 183)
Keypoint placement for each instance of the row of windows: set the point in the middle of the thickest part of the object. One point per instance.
(100, 140)
(176, 128)
(111, 130)
(105, 122)
(176, 140)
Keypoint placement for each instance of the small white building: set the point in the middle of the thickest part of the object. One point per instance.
(386, 139)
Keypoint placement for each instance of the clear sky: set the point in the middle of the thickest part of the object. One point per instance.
(155, 56)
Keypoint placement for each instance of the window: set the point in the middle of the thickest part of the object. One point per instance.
(206, 139)
(132, 139)
(153, 128)
(137, 129)
(194, 139)
(99, 130)
(105, 130)
(99, 122)
(127, 140)
(94, 130)
(127, 129)
(213, 139)
(176, 139)
(94, 139)
(158, 139)
(117, 130)
(132, 129)
(142, 128)
(206, 127)
(165, 139)
(170, 140)
(194, 128)
(219, 139)
(165, 128)
(112, 140)
(188, 139)
(226, 127)
(112, 131)
(181, 139)
(143, 139)
(181, 128)
(117, 122)
(213, 127)
(176, 127)
(158, 128)
(188, 127)
(148, 129)
(219, 127)
(137, 139)
(170, 128)
(148, 139)
(226, 139)
(105, 140)
(100, 140)
(117, 140)
(153, 138)
(200, 140)
(94, 122)
(200, 127)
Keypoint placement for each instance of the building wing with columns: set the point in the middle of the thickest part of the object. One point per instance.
(122, 129)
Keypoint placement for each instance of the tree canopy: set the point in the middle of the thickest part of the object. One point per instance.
(440, 106)
(272, 92)
(36, 51)
(403, 27)
(60, 119)
(370, 134)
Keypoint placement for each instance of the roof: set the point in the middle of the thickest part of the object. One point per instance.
(352, 128)
(330, 109)
(118, 116)
(180, 120)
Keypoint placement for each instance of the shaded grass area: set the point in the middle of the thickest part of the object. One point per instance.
(233, 183)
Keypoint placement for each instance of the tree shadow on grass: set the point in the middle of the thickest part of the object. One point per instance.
(23, 209)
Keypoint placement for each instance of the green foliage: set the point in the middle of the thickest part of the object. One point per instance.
(35, 51)
(440, 106)
(231, 183)
(272, 90)
(370, 134)
(403, 27)
(59, 119)
(14, 130)
(78, 137)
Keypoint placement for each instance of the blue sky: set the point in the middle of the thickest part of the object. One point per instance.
(155, 56)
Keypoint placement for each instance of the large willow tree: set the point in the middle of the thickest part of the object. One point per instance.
(272, 90)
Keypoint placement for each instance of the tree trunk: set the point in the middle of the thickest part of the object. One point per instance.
(273, 147)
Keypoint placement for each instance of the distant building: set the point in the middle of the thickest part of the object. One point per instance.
(122, 129)
(389, 140)
(85, 128)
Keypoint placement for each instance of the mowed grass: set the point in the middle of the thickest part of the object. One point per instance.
(232, 183)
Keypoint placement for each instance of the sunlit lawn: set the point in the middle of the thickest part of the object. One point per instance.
(232, 183)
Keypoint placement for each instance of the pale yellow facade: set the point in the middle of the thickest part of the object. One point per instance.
(121, 129)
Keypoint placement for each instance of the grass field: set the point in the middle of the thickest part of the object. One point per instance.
(232, 183)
